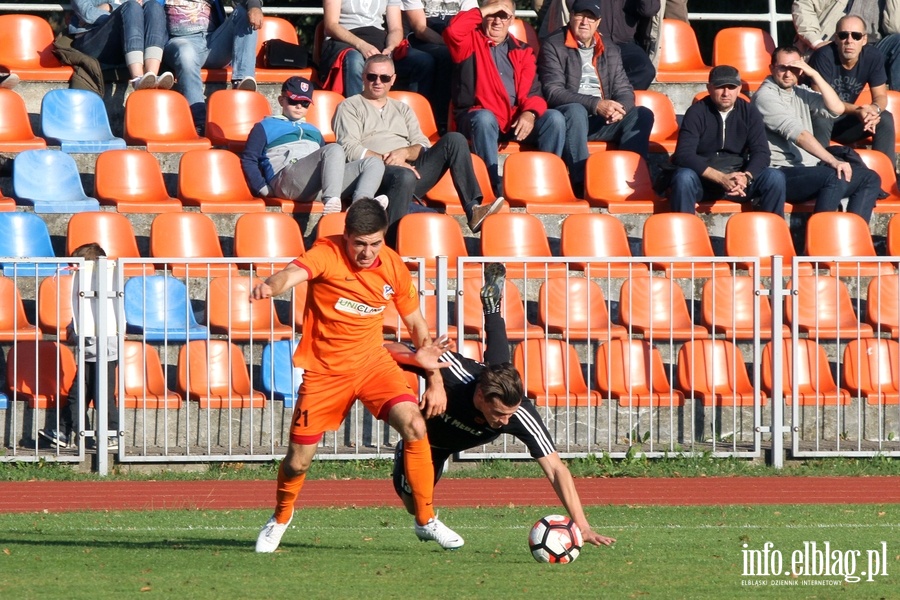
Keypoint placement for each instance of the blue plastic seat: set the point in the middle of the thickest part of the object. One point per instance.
(158, 307)
(25, 235)
(49, 181)
(278, 375)
(76, 121)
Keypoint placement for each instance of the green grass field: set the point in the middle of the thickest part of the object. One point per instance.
(336, 554)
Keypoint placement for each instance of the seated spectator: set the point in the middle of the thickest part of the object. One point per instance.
(496, 92)
(118, 32)
(355, 30)
(848, 65)
(286, 157)
(202, 37)
(810, 170)
(372, 125)
(585, 81)
(722, 151)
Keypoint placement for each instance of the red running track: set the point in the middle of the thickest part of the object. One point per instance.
(53, 496)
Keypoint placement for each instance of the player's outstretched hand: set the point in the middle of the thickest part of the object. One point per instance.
(427, 357)
(592, 537)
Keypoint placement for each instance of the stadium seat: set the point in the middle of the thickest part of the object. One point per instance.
(16, 134)
(159, 307)
(321, 112)
(443, 196)
(430, 235)
(161, 120)
(881, 164)
(279, 378)
(598, 235)
(524, 32)
(329, 225)
(825, 309)
(187, 235)
(748, 49)
(14, 325)
(229, 311)
(680, 235)
(144, 379)
(54, 303)
(763, 235)
(815, 383)
(519, 235)
(131, 180)
(214, 374)
(473, 349)
(664, 133)
(267, 235)
(213, 180)
(512, 309)
(539, 183)
(25, 235)
(713, 371)
(61, 193)
(872, 370)
(632, 372)
(422, 108)
(551, 374)
(726, 307)
(620, 182)
(893, 236)
(276, 28)
(113, 232)
(679, 54)
(76, 121)
(575, 308)
(843, 235)
(26, 49)
(231, 114)
(41, 373)
(883, 305)
(655, 307)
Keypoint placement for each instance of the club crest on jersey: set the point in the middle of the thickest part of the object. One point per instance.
(388, 291)
(356, 308)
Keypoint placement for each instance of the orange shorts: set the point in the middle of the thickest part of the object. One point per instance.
(325, 399)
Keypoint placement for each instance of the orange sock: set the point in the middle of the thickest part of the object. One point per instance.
(420, 475)
(286, 495)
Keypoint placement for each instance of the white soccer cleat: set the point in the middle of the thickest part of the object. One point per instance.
(440, 533)
(270, 534)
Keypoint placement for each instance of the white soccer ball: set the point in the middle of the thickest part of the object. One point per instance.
(555, 539)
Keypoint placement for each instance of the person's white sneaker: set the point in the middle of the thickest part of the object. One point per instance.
(382, 200)
(440, 533)
(332, 205)
(165, 81)
(247, 83)
(147, 81)
(270, 535)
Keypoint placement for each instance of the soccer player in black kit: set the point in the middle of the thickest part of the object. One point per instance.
(485, 400)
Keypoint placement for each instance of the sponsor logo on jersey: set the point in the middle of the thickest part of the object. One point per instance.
(357, 308)
(388, 291)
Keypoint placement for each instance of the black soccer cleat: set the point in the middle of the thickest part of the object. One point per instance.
(492, 290)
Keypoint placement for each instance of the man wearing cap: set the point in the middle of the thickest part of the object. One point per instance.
(584, 79)
(286, 157)
(722, 151)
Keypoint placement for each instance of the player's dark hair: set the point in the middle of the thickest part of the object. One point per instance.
(786, 49)
(91, 251)
(502, 382)
(365, 217)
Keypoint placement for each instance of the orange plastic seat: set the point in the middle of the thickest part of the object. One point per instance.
(815, 383)
(576, 309)
(539, 183)
(632, 372)
(519, 235)
(132, 181)
(598, 235)
(187, 235)
(14, 323)
(893, 236)
(552, 374)
(422, 108)
(713, 371)
(761, 234)
(15, 127)
(268, 235)
(726, 307)
(679, 54)
(332, 224)
(473, 349)
(843, 235)
(113, 232)
(881, 164)
(230, 312)
(748, 49)
(872, 370)
(321, 112)
(655, 307)
(883, 305)
(664, 133)
(512, 309)
(55, 306)
(524, 32)
(26, 49)
(444, 198)
(214, 374)
(144, 380)
(680, 235)
(214, 181)
(620, 182)
(161, 120)
(893, 105)
(231, 114)
(825, 309)
(276, 28)
(430, 235)
(41, 373)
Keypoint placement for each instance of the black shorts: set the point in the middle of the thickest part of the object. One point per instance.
(401, 486)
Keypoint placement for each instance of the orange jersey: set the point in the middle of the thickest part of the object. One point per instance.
(342, 325)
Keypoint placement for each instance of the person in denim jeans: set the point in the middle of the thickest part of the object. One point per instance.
(202, 37)
(123, 32)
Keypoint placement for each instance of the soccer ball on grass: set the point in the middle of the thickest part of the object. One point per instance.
(555, 539)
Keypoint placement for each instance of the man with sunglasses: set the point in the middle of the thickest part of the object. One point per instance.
(286, 157)
(810, 169)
